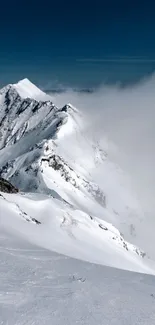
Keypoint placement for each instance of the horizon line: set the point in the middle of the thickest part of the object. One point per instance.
(117, 60)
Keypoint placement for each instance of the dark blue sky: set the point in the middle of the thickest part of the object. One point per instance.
(74, 42)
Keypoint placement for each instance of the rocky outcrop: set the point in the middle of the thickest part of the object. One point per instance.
(7, 187)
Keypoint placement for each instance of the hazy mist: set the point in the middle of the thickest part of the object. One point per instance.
(126, 118)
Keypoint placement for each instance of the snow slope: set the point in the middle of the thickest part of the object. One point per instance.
(56, 226)
(27, 89)
(43, 288)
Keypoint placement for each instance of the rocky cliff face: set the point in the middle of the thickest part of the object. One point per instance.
(26, 124)
(7, 187)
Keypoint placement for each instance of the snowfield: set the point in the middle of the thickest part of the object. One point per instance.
(38, 286)
(73, 204)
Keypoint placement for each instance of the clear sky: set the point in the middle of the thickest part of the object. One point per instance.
(76, 42)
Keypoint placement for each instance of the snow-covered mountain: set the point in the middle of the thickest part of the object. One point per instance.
(68, 203)
(46, 153)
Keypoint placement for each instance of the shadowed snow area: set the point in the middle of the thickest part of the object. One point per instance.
(72, 203)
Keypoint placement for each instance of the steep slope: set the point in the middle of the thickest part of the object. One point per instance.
(45, 149)
(27, 89)
(69, 231)
(28, 128)
(7, 187)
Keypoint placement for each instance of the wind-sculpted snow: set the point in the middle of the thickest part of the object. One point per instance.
(64, 229)
(42, 287)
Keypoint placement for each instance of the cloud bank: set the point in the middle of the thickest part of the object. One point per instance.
(126, 117)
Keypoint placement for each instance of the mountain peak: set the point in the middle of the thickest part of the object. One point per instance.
(26, 88)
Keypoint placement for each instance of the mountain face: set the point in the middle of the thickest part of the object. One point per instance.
(46, 154)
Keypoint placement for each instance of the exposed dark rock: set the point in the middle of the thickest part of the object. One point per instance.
(7, 187)
(64, 108)
(103, 227)
(58, 164)
(36, 221)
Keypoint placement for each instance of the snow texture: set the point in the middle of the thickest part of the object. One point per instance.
(43, 288)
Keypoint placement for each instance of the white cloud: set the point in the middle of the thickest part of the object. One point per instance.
(127, 118)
